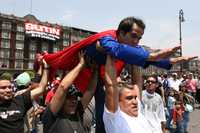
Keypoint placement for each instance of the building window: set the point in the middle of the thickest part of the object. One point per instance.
(32, 46)
(5, 44)
(19, 54)
(32, 55)
(56, 48)
(4, 53)
(19, 36)
(194, 63)
(4, 63)
(44, 46)
(5, 35)
(6, 25)
(20, 28)
(30, 65)
(19, 45)
(65, 43)
(19, 64)
(65, 35)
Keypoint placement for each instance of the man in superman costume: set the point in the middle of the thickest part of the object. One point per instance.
(122, 44)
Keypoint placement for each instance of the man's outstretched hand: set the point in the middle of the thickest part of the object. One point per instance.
(182, 59)
(164, 53)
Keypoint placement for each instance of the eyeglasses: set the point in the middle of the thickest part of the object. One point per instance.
(134, 35)
(4, 87)
(150, 81)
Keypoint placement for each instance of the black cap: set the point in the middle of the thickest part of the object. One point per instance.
(73, 91)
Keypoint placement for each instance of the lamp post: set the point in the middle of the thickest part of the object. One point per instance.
(181, 19)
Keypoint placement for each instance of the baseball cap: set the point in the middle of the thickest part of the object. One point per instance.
(73, 91)
(23, 79)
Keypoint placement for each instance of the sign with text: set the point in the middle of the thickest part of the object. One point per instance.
(41, 31)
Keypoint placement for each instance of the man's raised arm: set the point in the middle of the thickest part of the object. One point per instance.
(59, 97)
(111, 91)
(137, 80)
(42, 85)
(89, 93)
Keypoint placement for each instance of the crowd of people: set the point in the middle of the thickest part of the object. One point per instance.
(94, 92)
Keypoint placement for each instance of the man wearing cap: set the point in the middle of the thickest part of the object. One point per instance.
(13, 108)
(22, 83)
(65, 111)
(23, 80)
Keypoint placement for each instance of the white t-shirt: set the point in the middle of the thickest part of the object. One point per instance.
(153, 109)
(120, 122)
(174, 83)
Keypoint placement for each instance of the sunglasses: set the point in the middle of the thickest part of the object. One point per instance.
(134, 35)
(150, 81)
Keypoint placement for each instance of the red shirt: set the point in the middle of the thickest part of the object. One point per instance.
(178, 114)
(49, 96)
(191, 85)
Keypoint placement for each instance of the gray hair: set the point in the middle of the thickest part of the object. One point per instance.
(124, 85)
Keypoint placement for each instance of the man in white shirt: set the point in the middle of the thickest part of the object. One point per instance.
(153, 106)
(122, 113)
(174, 82)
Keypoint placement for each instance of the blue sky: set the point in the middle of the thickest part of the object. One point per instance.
(160, 17)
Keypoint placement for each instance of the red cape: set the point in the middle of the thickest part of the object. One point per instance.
(67, 59)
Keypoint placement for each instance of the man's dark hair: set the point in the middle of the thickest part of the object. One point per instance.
(165, 75)
(16, 74)
(127, 23)
(153, 76)
(5, 76)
